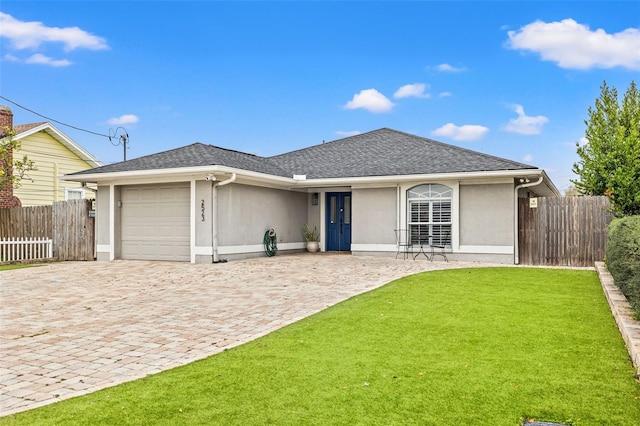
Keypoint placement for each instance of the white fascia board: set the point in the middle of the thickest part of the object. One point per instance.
(55, 133)
(550, 185)
(135, 177)
(261, 179)
(462, 176)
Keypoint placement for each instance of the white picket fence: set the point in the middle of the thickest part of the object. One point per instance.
(14, 249)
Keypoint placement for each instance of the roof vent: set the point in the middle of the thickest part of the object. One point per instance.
(299, 177)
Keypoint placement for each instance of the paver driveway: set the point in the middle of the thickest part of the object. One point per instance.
(75, 327)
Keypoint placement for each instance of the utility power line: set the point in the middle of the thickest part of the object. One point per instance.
(123, 139)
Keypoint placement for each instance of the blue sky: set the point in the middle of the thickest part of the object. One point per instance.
(512, 79)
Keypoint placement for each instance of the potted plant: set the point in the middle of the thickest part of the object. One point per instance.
(312, 237)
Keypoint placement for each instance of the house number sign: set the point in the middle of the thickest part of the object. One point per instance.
(533, 203)
(202, 210)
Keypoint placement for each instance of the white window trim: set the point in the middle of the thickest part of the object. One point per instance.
(67, 191)
(430, 202)
(455, 207)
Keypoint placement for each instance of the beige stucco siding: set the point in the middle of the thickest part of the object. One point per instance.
(103, 215)
(103, 222)
(203, 213)
(374, 216)
(314, 212)
(486, 215)
(246, 212)
(52, 159)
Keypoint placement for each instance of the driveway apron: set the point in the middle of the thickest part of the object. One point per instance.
(71, 328)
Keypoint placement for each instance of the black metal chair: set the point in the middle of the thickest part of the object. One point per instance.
(441, 244)
(403, 242)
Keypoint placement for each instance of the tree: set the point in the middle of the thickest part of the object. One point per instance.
(610, 161)
(12, 170)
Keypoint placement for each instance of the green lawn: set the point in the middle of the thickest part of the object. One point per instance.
(458, 347)
(18, 266)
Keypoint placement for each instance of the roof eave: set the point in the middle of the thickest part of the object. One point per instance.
(174, 174)
(463, 176)
(245, 176)
(550, 185)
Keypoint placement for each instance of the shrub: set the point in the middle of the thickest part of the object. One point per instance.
(623, 257)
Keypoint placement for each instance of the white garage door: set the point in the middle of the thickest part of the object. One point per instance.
(155, 222)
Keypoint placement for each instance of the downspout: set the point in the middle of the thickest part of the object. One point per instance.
(214, 214)
(398, 209)
(516, 246)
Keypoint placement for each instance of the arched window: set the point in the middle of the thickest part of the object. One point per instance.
(429, 211)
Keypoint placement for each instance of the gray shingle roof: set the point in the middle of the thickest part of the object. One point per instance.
(387, 152)
(194, 155)
(383, 152)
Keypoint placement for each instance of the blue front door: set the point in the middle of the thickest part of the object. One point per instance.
(338, 221)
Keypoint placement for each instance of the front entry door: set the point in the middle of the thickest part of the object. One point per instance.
(338, 221)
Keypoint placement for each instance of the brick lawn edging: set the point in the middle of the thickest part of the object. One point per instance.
(623, 313)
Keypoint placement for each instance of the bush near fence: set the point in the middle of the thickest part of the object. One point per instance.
(623, 257)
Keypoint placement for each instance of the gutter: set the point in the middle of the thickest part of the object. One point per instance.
(184, 173)
(516, 247)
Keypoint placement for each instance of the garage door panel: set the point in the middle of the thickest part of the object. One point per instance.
(155, 222)
(139, 250)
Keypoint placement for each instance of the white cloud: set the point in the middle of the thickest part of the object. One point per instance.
(11, 58)
(583, 141)
(445, 94)
(39, 58)
(527, 158)
(524, 124)
(576, 46)
(123, 119)
(347, 133)
(467, 132)
(30, 35)
(415, 90)
(449, 68)
(371, 100)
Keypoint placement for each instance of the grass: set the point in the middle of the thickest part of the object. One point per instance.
(459, 347)
(18, 266)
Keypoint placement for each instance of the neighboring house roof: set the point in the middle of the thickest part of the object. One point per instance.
(21, 128)
(383, 152)
(24, 130)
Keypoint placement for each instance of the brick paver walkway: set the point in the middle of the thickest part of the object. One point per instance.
(71, 328)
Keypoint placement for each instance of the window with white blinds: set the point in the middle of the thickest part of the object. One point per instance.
(429, 211)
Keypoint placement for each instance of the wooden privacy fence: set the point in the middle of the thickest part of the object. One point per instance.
(567, 231)
(67, 223)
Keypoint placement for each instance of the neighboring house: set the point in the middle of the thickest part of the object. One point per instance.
(202, 203)
(54, 154)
